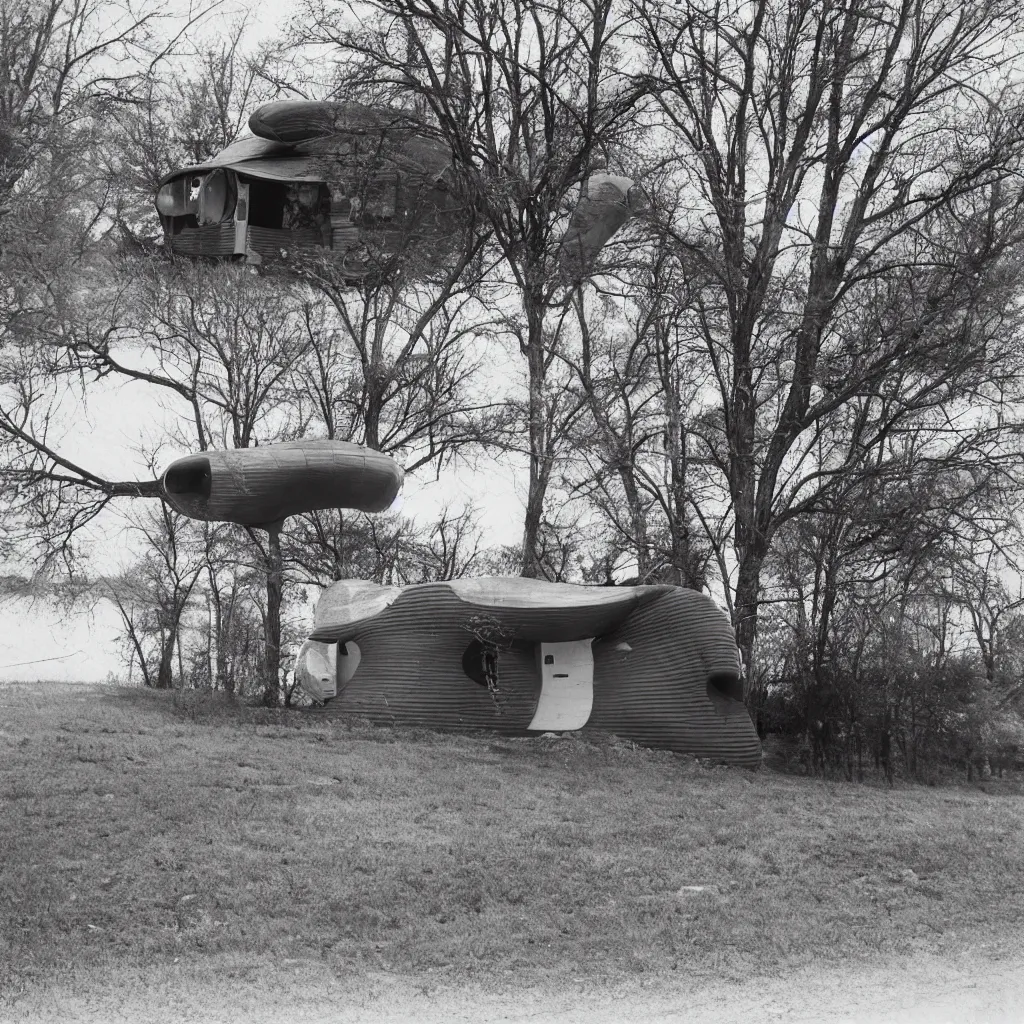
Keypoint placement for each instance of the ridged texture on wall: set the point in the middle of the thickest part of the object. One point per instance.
(656, 693)
(261, 485)
(214, 240)
(410, 670)
(272, 241)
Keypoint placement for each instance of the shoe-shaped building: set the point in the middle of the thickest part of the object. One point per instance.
(654, 664)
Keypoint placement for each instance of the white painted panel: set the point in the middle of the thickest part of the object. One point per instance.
(349, 661)
(567, 686)
(316, 669)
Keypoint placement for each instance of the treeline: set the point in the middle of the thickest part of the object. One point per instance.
(794, 380)
(887, 659)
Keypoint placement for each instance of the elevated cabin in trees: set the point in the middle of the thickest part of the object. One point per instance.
(366, 183)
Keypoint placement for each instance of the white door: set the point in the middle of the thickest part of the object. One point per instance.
(567, 686)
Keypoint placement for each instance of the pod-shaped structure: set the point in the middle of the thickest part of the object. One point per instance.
(607, 203)
(655, 664)
(256, 486)
(364, 182)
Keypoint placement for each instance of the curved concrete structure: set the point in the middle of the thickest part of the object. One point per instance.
(368, 183)
(607, 203)
(655, 664)
(254, 486)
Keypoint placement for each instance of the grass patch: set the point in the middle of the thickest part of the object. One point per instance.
(142, 834)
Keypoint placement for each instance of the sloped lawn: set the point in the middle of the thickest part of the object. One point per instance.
(147, 835)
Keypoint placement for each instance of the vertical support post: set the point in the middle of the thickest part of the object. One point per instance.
(275, 589)
(241, 220)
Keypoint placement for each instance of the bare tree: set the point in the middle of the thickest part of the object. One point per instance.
(636, 370)
(855, 210)
(65, 67)
(395, 365)
(184, 112)
(874, 640)
(528, 97)
(153, 594)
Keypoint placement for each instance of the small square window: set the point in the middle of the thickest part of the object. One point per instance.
(549, 659)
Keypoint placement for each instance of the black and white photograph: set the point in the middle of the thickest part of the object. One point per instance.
(512, 511)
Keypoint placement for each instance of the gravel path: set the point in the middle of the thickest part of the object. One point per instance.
(918, 991)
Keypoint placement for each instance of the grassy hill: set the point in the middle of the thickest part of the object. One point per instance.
(164, 849)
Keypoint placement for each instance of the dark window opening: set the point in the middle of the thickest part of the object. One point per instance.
(266, 203)
(727, 685)
(190, 476)
(549, 659)
(179, 224)
(478, 661)
(307, 206)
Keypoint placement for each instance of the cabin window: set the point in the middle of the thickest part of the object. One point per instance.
(216, 198)
(266, 203)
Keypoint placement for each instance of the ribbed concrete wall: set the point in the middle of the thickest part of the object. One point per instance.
(663, 691)
(410, 670)
(253, 486)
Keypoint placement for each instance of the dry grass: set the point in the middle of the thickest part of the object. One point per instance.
(142, 836)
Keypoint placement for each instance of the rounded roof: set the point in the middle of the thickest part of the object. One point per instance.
(347, 604)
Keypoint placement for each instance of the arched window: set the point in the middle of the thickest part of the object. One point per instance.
(479, 662)
(349, 656)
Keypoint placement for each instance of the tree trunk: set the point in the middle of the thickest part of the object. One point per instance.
(225, 679)
(684, 572)
(540, 467)
(133, 636)
(211, 641)
(748, 585)
(638, 520)
(165, 673)
(181, 660)
(275, 588)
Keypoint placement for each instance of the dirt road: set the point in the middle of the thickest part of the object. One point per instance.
(919, 991)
